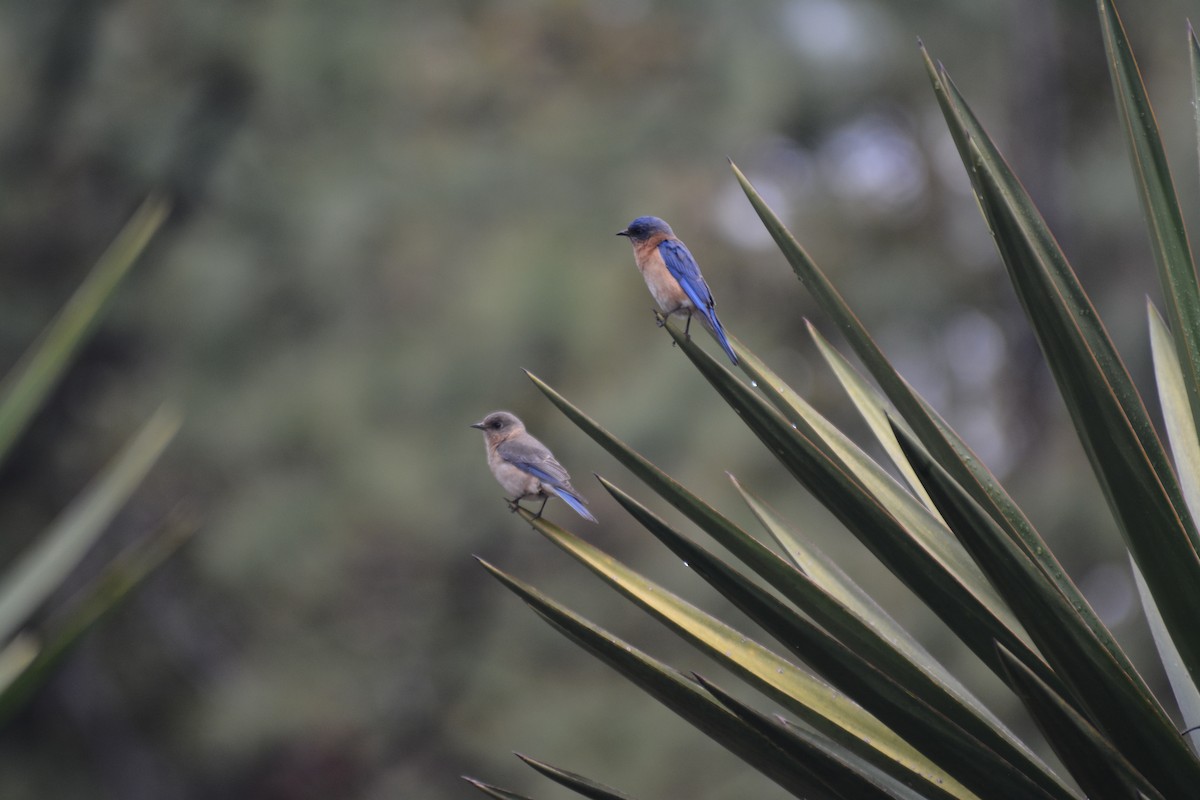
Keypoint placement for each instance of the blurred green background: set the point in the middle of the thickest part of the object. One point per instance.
(383, 211)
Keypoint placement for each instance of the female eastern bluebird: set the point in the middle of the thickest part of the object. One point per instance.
(524, 466)
(673, 276)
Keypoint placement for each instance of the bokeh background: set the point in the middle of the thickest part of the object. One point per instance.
(382, 212)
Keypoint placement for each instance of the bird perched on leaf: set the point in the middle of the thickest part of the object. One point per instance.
(525, 467)
(673, 277)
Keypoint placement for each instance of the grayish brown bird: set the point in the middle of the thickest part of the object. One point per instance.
(524, 467)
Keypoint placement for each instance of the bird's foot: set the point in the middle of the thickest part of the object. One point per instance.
(660, 318)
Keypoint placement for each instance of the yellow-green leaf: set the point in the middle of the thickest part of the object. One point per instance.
(826, 709)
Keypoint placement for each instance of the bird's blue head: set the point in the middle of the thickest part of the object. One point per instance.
(643, 228)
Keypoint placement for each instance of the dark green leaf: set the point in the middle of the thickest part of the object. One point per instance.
(672, 690)
(1112, 423)
(1168, 236)
(1101, 770)
(814, 700)
(577, 783)
(852, 779)
(494, 791)
(930, 428)
(1115, 700)
(915, 517)
(826, 574)
(957, 603)
(887, 685)
(873, 408)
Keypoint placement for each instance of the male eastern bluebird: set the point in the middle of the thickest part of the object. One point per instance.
(673, 276)
(524, 466)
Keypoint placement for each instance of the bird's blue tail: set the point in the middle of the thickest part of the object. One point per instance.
(719, 332)
(573, 500)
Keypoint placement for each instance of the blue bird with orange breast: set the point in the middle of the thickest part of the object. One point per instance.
(673, 277)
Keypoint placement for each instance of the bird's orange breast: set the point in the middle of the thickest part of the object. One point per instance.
(665, 290)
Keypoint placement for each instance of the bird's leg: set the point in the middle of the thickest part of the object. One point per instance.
(541, 508)
(687, 325)
(514, 504)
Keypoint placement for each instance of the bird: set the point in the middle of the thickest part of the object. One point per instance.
(524, 467)
(673, 277)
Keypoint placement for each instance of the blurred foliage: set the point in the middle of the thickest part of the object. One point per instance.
(384, 210)
(28, 656)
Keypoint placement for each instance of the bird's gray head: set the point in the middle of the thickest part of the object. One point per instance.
(499, 425)
(643, 228)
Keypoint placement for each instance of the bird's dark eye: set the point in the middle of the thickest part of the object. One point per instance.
(496, 424)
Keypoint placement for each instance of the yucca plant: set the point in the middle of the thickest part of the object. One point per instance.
(869, 713)
(26, 657)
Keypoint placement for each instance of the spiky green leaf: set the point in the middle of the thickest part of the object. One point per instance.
(494, 791)
(852, 656)
(810, 698)
(1101, 770)
(673, 690)
(1177, 412)
(1187, 694)
(916, 517)
(26, 386)
(1111, 421)
(1194, 59)
(1127, 713)
(873, 408)
(846, 775)
(930, 428)
(933, 431)
(745, 547)
(965, 605)
(91, 604)
(1160, 204)
(576, 783)
(856, 619)
(831, 578)
(43, 567)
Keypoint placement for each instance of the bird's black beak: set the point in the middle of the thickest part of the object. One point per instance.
(623, 233)
(478, 425)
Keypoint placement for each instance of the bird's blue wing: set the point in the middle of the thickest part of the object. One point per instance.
(575, 501)
(684, 269)
(529, 455)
